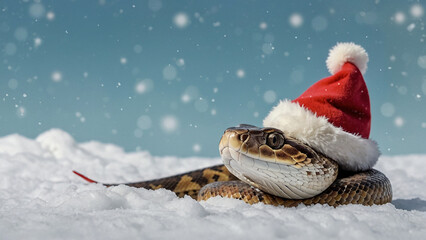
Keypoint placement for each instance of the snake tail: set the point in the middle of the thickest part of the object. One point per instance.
(188, 183)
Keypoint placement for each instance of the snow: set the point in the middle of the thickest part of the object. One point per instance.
(270, 96)
(10, 49)
(399, 17)
(181, 20)
(319, 23)
(36, 10)
(169, 123)
(144, 86)
(387, 109)
(416, 11)
(50, 16)
(399, 121)
(144, 122)
(421, 61)
(56, 76)
(169, 72)
(296, 20)
(37, 42)
(240, 73)
(40, 198)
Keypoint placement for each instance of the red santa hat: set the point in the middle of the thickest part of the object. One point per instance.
(333, 115)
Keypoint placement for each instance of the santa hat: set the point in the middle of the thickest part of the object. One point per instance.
(333, 115)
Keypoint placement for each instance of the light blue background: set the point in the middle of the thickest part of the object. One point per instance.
(95, 98)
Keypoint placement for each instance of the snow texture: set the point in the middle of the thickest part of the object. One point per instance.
(40, 198)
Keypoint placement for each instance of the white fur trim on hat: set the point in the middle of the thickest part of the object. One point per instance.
(347, 52)
(350, 151)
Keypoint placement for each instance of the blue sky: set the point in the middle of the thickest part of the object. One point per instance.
(170, 76)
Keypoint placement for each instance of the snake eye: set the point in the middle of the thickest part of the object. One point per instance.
(275, 140)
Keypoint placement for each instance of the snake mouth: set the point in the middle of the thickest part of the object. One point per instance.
(255, 143)
(277, 179)
(288, 170)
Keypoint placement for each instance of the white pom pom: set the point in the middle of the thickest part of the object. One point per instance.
(347, 52)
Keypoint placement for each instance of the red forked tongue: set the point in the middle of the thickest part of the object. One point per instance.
(84, 177)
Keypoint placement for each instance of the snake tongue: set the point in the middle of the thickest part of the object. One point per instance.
(84, 177)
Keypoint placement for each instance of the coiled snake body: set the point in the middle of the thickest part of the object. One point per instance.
(264, 165)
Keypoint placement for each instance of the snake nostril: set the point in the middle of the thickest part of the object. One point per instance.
(243, 137)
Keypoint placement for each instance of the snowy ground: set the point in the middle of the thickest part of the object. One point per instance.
(40, 198)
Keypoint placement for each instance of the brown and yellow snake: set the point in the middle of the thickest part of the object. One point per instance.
(263, 165)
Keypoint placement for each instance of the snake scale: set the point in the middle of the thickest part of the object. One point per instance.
(263, 165)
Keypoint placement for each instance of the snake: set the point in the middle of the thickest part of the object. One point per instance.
(263, 165)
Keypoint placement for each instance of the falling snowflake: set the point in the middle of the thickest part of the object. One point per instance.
(240, 73)
(387, 109)
(50, 16)
(21, 34)
(421, 61)
(37, 10)
(196, 148)
(263, 25)
(137, 48)
(185, 98)
(169, 72)
(268, 48)
(155, 5)
(56, 76)
(21, 112)
(37, 42)
(270, 96)
(13, 83)
(144, 122)
(402, 90)
(399, 121)
(416, 11)
(180, 62)
(201, 105)
(399, 17)
(319, 23)
(169, 124)
(181, 20)
(296, 20)
(10, 49)
(411, 27)
(144, 86)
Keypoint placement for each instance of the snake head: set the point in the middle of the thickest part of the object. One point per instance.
(275, 163)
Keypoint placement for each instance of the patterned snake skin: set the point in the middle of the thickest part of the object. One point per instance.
(262, 165)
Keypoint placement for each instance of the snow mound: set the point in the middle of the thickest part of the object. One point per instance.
(40, 198)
